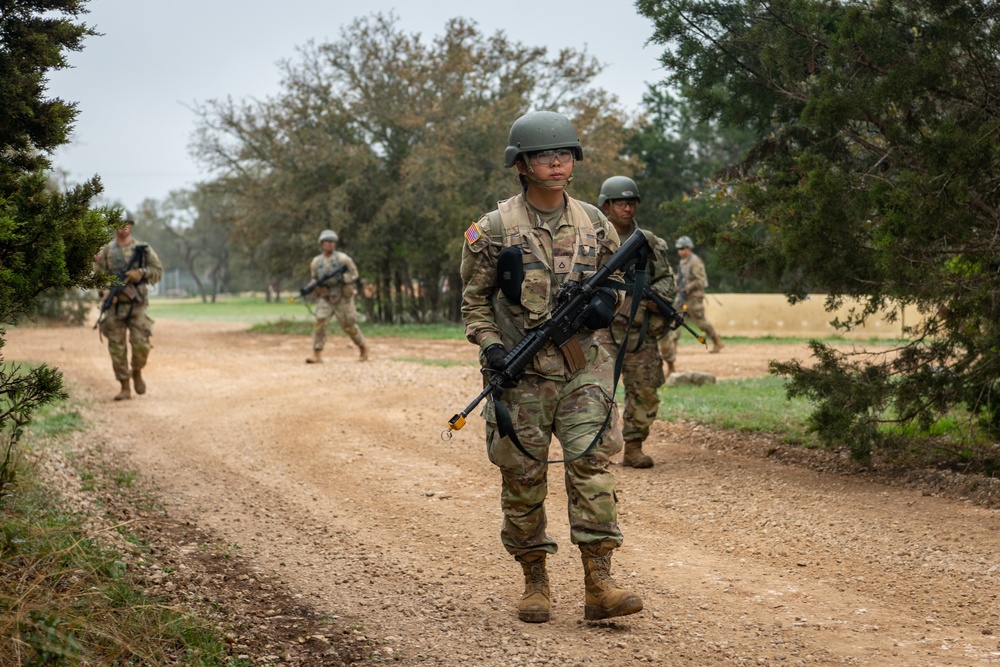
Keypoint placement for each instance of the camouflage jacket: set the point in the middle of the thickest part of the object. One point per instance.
(335, 290)
(112, 258)
(582, 241)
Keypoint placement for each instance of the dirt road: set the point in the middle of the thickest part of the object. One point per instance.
(335, 479)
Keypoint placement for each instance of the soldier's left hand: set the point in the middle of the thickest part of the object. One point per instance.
(133, 275)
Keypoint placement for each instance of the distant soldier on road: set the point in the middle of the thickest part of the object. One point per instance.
(691, 285)
(642, 369)
(123, 316)
(337, 278)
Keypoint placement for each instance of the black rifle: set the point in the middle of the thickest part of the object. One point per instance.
(322, 281)
(571, 312)
(136, 261)
(674, 319)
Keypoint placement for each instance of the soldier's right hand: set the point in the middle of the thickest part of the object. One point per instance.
(133, 275)
(495, 355)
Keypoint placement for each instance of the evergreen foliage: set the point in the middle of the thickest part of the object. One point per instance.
(874, 175)
(47, 238)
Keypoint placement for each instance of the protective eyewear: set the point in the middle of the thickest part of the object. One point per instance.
(545, 158)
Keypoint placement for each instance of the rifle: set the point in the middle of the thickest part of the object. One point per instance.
(136, 261)
(322, 280)
(572, 309)
(674, 319)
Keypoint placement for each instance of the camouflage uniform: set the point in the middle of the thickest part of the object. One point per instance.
(551, 399)
(128, 315)
(642, 369)
(693, 281)
(335, 299)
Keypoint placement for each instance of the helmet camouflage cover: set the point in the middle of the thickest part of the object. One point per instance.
(684, 242)
(541, 131)
(328, 235)
(618, 187)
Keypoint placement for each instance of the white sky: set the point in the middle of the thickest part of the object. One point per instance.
(135, 84)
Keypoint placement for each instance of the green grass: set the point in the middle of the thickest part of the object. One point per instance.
(65, 598)
(754, 404)
(228, 309)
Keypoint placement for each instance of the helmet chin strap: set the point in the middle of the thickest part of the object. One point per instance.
(548, 185)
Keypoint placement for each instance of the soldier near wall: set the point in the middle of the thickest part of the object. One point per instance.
(566, 393)
(124, 320)
(642, 369)
(334, 284)
(692, 281)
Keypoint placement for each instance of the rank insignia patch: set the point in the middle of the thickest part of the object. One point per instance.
(472, 234)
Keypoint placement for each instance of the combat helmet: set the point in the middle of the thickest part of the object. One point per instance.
(128, 219)
(618, 187)
(684, 242)
(328, 235)
(541, 131)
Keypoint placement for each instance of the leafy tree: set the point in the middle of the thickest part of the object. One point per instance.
(194, 227)
(874, 176)
(47, 238)
(680, 157)
(397, 145)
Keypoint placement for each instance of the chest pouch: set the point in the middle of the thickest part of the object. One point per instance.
(510, 273)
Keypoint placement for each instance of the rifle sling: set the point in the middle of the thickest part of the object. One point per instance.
(505, 425)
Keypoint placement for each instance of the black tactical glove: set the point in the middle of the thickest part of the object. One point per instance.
(495, 355)
(601, 308)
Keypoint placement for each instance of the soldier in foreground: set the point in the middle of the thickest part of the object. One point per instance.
(566, 392)
(691, 284)
(335, 277)
(642, 370)
(123, 316)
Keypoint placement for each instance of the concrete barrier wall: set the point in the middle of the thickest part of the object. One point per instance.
(756, 315)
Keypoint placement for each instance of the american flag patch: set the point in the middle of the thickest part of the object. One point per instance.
(472, 234)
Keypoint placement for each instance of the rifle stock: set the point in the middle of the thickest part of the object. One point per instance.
(567, 319)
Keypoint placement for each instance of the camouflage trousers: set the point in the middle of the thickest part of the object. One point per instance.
(572, 411)
(693, 314)
(138, 327)
(347, 318)
(642, 376)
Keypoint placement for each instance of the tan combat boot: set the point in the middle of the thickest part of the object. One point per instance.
(140, 384)
(604, 599)
(317, 357)
(717, 344)
(634, 458)
(125, 393)
(536, 601)
(363, 349)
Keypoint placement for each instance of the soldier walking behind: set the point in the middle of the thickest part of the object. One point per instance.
(335, 296)
(692, 282)
(568, 394)
(642, 369)
(123, 313)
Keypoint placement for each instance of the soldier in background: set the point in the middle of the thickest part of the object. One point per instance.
(566, 393)
(125, 316)
(336, 297)
(691, 284)
(642, 369)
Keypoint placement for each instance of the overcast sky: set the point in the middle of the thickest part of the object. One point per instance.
(136, 84)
